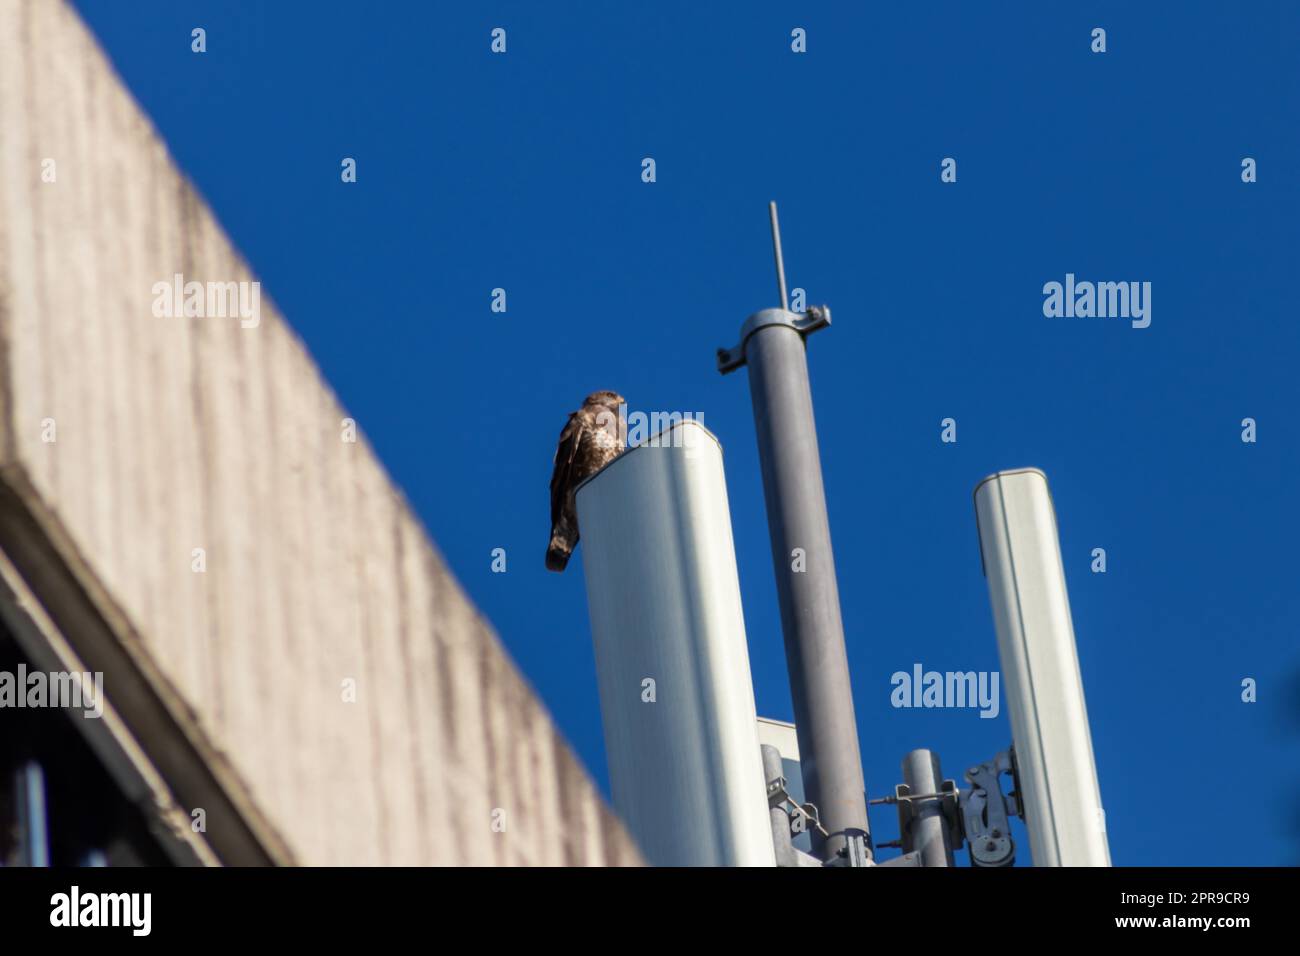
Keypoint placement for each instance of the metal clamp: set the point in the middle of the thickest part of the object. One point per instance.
(949, 798)
(986, 811)
(857, 850)
(805, 323)
(779, 798)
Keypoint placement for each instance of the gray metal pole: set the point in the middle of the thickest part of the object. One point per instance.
(929, 833)
(782, 841)
(772, 345)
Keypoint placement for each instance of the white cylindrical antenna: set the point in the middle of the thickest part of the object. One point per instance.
(676, 697)
(1040, 667)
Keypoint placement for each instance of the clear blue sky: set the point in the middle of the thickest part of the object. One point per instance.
(523, 171)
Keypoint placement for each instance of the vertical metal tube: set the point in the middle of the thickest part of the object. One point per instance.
(780, 262)
(929, 833)
(782, 841)
(805, 580)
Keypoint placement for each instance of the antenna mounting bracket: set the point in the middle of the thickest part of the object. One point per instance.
(805, 323)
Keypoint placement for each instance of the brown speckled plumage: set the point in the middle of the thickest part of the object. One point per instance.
(594, 436)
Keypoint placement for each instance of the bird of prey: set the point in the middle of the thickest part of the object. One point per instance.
(594, 436)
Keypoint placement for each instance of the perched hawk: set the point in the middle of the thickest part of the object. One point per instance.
(594, 436)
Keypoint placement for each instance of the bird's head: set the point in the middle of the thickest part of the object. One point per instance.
(606, 399)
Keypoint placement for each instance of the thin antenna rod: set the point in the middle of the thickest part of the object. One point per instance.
(780, 263)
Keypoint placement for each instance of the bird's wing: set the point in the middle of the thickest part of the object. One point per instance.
(565, 452)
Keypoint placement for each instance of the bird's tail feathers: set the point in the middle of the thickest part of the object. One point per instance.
(558, 553)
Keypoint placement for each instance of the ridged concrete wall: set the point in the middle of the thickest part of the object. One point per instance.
(179, 433)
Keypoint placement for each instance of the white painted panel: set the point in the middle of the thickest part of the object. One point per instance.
(1040, 670)
(664, 598)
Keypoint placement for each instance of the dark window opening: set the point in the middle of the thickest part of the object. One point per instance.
(58, 804)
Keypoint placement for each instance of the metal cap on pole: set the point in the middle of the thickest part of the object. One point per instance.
(772, 345)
